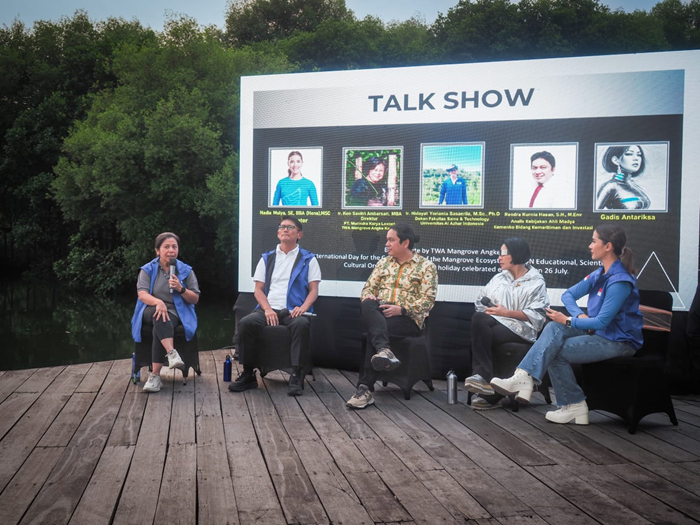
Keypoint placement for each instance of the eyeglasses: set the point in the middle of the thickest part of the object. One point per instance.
(504, 253)
(288, 227)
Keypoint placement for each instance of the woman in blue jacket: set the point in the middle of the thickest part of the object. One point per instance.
(165, 300)
(612, 328)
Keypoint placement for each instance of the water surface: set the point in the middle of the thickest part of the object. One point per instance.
(42, 326)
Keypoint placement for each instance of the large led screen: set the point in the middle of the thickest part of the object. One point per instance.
(472, 154)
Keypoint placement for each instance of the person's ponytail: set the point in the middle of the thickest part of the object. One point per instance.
(616, 235)
(627, 259)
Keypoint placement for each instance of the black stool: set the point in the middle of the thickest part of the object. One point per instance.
(273, 352)
(634, 387)
(188, 350)
(415, 363)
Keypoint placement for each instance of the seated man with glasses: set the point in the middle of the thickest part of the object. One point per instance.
(286, 286)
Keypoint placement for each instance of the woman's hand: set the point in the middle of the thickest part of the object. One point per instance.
(174, 283)
(498, 310)
(557, 317)
(161, 312)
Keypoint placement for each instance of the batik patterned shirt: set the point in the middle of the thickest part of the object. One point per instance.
(412, 285)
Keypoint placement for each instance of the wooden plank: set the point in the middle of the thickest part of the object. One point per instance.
(20, 492)
(102, 492)
(18, 443)
(335, 492)
(506, 472)
(60, 495)
(137, 504)
(12, 379)
(295, 491)
(567, 436)
(216, 501)
(128, 422)
(509, 445)
(661, 492)
(177, 500)
(92, 382)
(649, 442)
(182, 417)
(595, 501)
(39, 380)
(408, 489)
(681, 474)
(486, 492)
(64, 426)
(371, 490)
(545, 443)
(13, 408)
(254, 491)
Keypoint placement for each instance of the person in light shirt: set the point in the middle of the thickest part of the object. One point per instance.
(286, 287)
(547, 189)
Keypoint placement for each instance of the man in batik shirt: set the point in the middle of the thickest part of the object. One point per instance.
(396, 299)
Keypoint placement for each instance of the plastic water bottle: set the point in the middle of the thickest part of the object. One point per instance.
(227, 368)
(451, 387)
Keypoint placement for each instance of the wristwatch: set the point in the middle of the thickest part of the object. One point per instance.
(184, 288)
(403, 311)
(568, 322)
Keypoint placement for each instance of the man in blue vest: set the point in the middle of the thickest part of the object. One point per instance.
(286, 286)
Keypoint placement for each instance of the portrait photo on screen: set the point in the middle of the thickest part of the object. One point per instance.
(451, 174)
(295, 176)
(372, 177)
(631, 177)
(544, 176)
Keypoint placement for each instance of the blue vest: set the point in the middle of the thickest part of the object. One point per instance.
(185, 311)
(626, 326)
(298, 288)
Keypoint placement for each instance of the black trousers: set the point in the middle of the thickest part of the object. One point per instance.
(486, 334)
(379, 329)
(251, 326)
(161, 330)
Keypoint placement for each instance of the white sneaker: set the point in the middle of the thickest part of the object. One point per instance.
(154, 384)
(578, 412)
(174, 360)
(520, 384)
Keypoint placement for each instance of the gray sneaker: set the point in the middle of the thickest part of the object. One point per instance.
(174, 360)
(385, 361)
(479, 403)
(154, 384)
(478, 385)
(361, 399)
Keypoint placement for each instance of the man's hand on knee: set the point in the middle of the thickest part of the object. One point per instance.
(271, 317)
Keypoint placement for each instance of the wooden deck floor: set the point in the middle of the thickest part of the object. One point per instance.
(81, 445)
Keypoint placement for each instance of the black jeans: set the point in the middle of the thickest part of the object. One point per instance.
(379, 329)
(486, 334)
(161, 330)
(252, 324)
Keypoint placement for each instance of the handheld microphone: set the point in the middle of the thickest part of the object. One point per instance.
(173, 266)
(487, 302)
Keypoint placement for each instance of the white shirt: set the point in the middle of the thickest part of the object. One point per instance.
(279, 283)
(553, 195)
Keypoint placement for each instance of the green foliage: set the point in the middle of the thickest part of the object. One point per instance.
(152, 156)
(251, 21)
